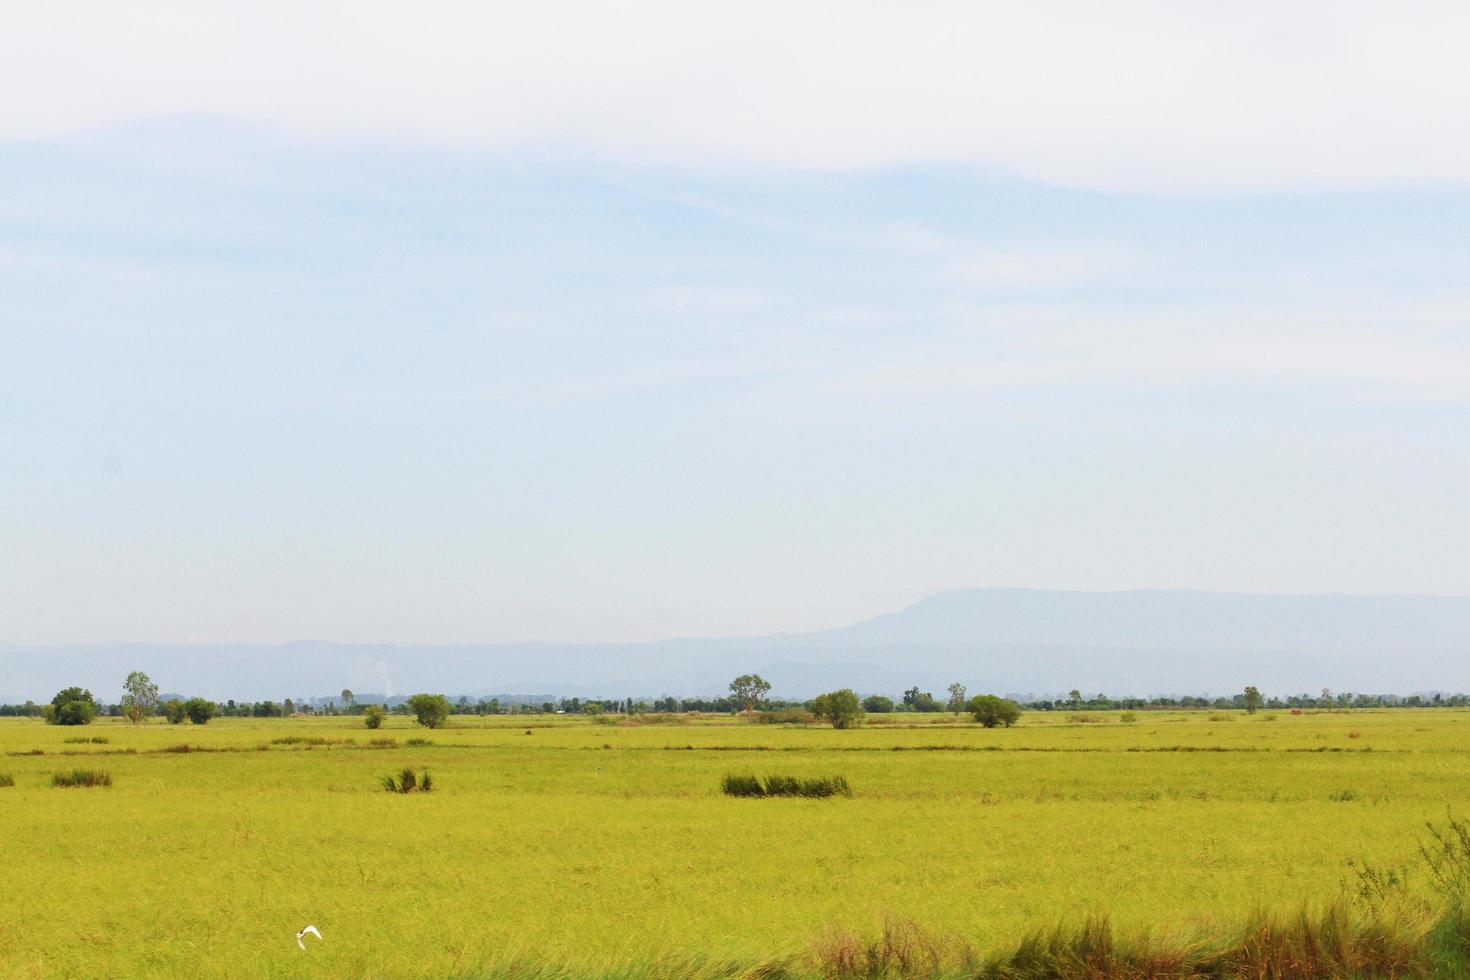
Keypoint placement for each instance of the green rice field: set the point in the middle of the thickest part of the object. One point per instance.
(575, 846)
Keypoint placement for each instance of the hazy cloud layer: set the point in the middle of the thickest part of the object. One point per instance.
(1137, 95)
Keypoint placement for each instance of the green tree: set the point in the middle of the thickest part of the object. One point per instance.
(140, 698)
(993, 712)
(956, 697)
(173, 710)
(921, 700)
(72, 706)
(347, 699)
(877, 704)
(373, 715)
(1075, 696)
(429, 710)
(749, 690)
(200, 710)
(1253, 700)
(841, 708)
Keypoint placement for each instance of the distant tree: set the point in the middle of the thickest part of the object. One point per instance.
(956, 697)
(429, 710)
(1075, 696)
(1253, 700)
(877, 704)
(921, 700)
(72, 706)
(347, 698)
(373, 715)
(140, 698)
(200, 710)
(749, 690)
(173, 710)
(993, 712)
(841, 708)
(289, 707)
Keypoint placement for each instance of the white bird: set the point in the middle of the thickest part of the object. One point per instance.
(303, 932)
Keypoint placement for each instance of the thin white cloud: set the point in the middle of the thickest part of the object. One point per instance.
(1125, 95)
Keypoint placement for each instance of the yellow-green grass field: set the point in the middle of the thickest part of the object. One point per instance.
(594, 845)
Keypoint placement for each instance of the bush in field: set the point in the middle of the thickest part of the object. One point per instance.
(409, 782)
(174, 711)
(82, 777)
(840, 708)
(6, 780)
(821, 787)
(994, 712)
(199, 710)
(877, 704)
(373, 715)
(429, 710)
(73, 706)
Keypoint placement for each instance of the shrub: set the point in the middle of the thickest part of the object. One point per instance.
(174, 712)
(199, 710)
(1447, 854)
(429, 710)
(382, 743)
(408, 782)
(84, 740)
(821, 787)
(6, 780)
(417, 742)
(82, 777)
(786, 716)
(1128, 718)
(841, 708)
(373, 715)
(72, 706)
(993, 712)
(877, 704)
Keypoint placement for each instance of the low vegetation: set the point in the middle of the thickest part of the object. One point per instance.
(82, 777)
(812, 788)
(408, 782)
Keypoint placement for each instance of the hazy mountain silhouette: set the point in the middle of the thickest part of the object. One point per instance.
(1004, 640)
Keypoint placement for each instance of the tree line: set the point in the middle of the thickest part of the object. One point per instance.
(842, 708)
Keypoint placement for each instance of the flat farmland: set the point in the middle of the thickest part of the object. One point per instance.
(584, 847)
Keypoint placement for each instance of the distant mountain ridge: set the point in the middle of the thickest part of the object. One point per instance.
(1004, 640)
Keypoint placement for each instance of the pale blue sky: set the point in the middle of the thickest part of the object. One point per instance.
(265, 379)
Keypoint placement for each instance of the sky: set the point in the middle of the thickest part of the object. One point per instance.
(454, 323)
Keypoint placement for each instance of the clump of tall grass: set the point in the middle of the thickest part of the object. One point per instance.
(821, 787)
(416, 742)
(408, 781)
(85, 740)
(382, 743)
(1128, 718)
(6, 780)
(82, 777)
(903, 949)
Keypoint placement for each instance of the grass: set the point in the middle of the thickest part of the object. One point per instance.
(81, 777)
(1174, 833)
(820, 787)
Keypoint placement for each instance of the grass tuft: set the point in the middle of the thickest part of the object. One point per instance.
(820, 787)
(82, 777)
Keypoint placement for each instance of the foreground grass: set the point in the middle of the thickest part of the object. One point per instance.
(584, 849)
